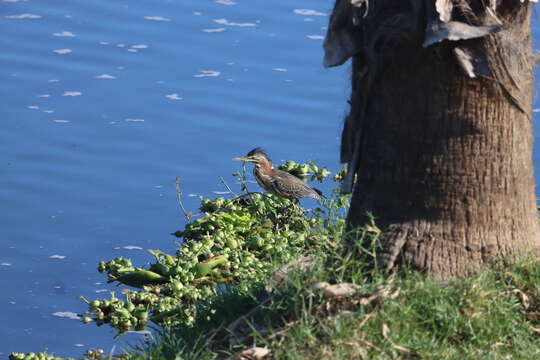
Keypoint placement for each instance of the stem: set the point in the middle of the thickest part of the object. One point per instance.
(227, 186)
(187, 215)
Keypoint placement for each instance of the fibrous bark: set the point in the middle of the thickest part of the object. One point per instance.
(439, 130)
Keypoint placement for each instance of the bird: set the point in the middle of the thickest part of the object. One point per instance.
(278, 182)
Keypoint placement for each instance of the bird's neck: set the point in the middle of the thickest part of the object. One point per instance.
(263, 167)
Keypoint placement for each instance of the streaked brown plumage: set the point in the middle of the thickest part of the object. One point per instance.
(278, 182)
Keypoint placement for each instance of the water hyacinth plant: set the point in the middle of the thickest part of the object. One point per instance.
(233, 247)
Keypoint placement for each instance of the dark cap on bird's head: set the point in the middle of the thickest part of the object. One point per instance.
(257, 151)
(254, 155)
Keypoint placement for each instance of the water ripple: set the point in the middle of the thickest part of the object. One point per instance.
(23, 16)
(63, 51)
(225, 2)
(105, 76)
(215, 30)
(230, 23)
(64, 34)
(207, 73)
(309, 12)
(156, 18)
(174, 96)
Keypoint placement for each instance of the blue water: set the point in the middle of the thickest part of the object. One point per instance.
(104, 103)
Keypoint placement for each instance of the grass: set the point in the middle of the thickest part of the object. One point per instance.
(492, 315)
(404, 315)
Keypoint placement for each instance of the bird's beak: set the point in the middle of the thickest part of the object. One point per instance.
(243, 159)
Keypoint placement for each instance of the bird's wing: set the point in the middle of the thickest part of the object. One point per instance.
(286, 183)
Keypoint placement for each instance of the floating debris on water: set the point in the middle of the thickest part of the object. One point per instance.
(135, 120)
(32, 107)
(5, 264)
(280, 69)
(315, 37)
(57, 256)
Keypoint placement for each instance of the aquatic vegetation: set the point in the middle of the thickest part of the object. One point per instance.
(303, 170)
(233, 247)
(34, 356)
(91, 354)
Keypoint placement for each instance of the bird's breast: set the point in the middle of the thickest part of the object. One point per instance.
(262, 179)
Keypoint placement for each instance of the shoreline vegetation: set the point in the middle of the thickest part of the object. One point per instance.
(258, 277)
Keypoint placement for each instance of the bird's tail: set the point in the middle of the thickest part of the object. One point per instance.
(320, 193)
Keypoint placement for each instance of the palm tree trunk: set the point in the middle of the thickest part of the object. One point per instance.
(440, 136)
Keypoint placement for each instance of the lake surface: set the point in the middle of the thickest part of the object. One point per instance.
(104, 103)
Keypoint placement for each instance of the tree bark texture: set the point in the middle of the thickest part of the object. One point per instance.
(439, 132)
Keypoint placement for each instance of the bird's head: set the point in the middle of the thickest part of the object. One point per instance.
(258, 157)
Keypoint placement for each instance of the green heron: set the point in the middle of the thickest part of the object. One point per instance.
(278, 182)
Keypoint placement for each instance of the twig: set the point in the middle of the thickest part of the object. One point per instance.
(187, 215)
(244, 180)
(244, 188)
(227, 186)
